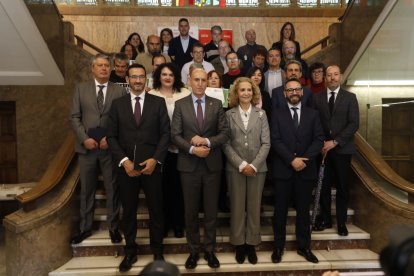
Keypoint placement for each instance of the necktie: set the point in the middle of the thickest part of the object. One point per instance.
(295, 117)
(331, 102)
(137, 111)
(100, 98)
(200, 120)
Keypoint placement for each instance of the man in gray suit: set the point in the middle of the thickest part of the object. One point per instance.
(199, 129)
(91, 104)
(339, 113)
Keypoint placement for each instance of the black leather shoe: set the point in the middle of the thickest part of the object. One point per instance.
(321, 225)
(192, 260)
(240, 253)
(178, 232)
(307, 253)
(127, 262)
(251, 254)
(80, 237)
(115, 236)
(211, 259)
(342, 230)
(158, 257)
(277, 255)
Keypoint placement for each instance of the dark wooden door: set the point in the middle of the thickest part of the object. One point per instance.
(398, 136)
(8, 145)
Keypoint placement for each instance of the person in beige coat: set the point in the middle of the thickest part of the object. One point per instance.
(246, 153)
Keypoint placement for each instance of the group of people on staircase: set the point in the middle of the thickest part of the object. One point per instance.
(171, 141)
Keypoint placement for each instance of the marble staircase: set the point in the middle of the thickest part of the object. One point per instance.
(98, 256)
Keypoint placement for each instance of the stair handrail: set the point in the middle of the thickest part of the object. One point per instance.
(381, 167)
(80, 41)
(54, 173)
(347, 9)
(323, 42)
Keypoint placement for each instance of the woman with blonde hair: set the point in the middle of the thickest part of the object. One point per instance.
(246, 153)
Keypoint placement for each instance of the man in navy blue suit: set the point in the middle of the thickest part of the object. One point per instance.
(181, 46)
(297, 139)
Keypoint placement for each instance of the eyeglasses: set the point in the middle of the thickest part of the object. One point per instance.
(232, 59)
(317, 72)
(137, 77)
(296, 90)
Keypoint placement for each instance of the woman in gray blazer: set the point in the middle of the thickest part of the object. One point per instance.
(246, 168)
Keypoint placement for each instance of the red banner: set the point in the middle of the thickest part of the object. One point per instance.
(204, 35)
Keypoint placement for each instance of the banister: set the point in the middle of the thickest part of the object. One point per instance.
(54, 173)
(323, 42)
(80, 41)
(380, 166)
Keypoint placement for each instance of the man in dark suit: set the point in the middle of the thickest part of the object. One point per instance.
(297, 139)
(199, 129)
(91, 104)
(293, 70)
(138, 136)
(339, 113)
(181, 46)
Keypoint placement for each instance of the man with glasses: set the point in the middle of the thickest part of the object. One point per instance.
(289, 53)
(297, 139)
(198, 59)
(139, 136)
(233, 62)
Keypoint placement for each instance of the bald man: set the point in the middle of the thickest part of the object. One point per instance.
(153, 48)
(199, 129)
(245, 53)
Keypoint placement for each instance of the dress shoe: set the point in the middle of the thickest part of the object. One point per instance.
(251, 254)
(178, 232)
(342, 230)
(127, 262)
(115, 236)
(192, 260)
(277, 255)
(240, 253)
(158, 257)
(321, 225)
(307, 253)
(211, 259)
(80, 237)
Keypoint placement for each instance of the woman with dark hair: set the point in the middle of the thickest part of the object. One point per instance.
(246, 168)
(166, 36)
(130, 51)
(257, 76)
(213, 79)
(287, 32)
(317, 77)
(135, 40)
(168, 85)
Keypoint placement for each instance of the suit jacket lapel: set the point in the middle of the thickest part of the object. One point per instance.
(338, 100)
(92, 96)
(289, 120)
(146, 108)
(235, 115)
(108, 98)
(128, 109)
(254, 116)
(192, 111)
(325, 105)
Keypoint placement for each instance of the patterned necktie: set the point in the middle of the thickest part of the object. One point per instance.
(200, 120)
(295, 117)
(137, 112)
(100, 98)
(331, 102)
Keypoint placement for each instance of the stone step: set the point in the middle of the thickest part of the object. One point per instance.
(292, 264)
(99, 243)
(100, 216)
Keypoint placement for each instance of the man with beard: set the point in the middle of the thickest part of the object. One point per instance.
(154, 48)
(138, 136)
(289, 53)
(293, 71)
(297, 139)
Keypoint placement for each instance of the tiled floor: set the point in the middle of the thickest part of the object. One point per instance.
(2, 252)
